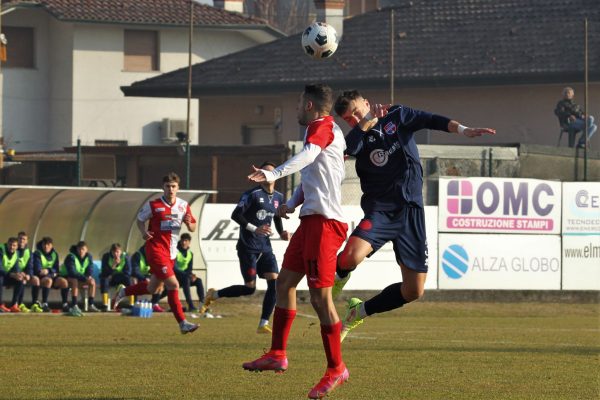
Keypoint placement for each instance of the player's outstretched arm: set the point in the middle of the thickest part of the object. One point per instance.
(309, 153)
(456, 127)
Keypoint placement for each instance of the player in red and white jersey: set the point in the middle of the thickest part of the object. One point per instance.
(166, 215)
(313, 248)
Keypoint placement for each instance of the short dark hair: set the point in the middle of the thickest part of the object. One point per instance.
(12, 239)
(46, 240)
(22, 233)
(266, 163)
(81, 244)
(185, 236)
(115, 246)
(171, 177)
(321, 95)
(344, 99)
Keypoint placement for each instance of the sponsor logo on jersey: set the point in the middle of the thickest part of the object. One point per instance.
(390, 128)
(276, 203)
(261, 214)
(261, 200)
(160, 209)
(379, 157)
(164, 270)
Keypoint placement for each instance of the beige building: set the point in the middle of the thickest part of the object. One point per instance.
(67, 60)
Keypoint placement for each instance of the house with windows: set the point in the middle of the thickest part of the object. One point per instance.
(66, 60)
(501, 64)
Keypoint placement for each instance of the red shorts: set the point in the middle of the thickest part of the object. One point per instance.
(313, 249)
(161, 269)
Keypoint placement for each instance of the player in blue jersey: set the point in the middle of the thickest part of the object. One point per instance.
(391, 178)
(25, 265)
(10, 275)
(116, 271)
(45, 268)
(254, 213)
(77, 269)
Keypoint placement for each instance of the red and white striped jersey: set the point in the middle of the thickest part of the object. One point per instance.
(322, 179)
(165, 224)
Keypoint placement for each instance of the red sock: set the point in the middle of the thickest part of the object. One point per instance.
(282, 323)
(175, 304)
(332, 344)
(138, 289)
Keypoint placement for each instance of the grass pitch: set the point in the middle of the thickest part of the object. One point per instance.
(424, 351)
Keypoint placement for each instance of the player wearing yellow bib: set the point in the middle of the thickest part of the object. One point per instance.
(116, 270)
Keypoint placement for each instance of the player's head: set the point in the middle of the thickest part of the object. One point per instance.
(568, 93)
(185, 240)
(351, 106)
(116, 250)
(315, 102)
(47, 244)
(12, 244)
(82, 248)
(171, 184)
(23, 239)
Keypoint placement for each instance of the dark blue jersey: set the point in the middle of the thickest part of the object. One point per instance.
(257, 207)
(387, 159)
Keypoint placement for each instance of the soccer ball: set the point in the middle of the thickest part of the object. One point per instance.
(319, 40)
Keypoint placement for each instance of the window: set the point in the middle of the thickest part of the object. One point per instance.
(141, 51)
(19, 51)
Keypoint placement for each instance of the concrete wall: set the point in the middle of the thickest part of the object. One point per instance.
(520, 113)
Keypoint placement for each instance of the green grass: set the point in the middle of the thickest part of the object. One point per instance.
(425, 351)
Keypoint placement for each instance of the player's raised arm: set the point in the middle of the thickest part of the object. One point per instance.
(456, 127)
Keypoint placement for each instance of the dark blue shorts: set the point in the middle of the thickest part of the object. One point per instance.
(405, 228)
(252, 264)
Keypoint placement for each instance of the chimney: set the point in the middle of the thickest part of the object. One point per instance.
(230, 5)
(331, 12)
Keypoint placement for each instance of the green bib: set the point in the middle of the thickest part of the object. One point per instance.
(8, 263)
(182, 263)
(144, 266)
(24, 259)
(121, 265)
(79, 267)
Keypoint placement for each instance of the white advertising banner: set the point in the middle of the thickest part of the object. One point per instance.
(219, 236)
(581, 208)
(471, 261)
(581, 236)
(505, 205)
(581, 262)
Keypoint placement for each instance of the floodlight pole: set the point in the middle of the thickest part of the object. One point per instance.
(189, 98)
(585, 102)
(392, 56)
(78, 162)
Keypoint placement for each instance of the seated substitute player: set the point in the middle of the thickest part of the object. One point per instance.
(313, 248)
(77, 269)
(25, 264)
(391, 178)
(45, 268)
(184, 264)
(116, 270)
(166, 215)
(10, 276)
(140, 270)
(254, 212)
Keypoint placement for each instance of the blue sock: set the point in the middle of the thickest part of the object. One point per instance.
(269, 301)
(389, 299)
(236, 291)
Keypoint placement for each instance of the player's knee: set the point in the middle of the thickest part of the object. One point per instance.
(349, 260)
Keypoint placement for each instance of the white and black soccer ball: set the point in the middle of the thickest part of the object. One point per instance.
(319, 40)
